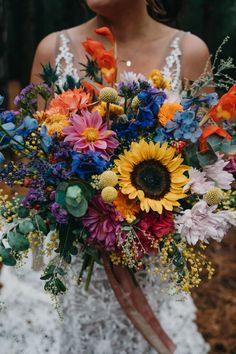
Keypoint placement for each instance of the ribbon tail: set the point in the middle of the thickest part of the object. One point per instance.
(137, 309)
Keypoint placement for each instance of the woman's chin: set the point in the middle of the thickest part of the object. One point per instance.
(103, 7)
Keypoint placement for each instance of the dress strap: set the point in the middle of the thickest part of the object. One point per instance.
(173, 62)
(65, 58)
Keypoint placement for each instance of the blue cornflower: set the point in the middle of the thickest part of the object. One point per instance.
(184, 126)
(86, 165)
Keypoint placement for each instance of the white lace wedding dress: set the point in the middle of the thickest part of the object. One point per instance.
(93, 321)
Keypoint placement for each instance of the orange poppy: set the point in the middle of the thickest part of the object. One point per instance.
(210, 130)
(93, 48)
(106, 32)
(226, 107)
(107, 64)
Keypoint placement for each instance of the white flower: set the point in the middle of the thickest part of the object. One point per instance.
(197, 182)
(130, 77)
(222, 179)
(172, 97)
(203, 223)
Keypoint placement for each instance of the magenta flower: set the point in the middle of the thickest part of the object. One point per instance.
(87, 132)
(103, 222)
(231, 165)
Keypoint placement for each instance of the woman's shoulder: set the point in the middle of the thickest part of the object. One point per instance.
(47, 46)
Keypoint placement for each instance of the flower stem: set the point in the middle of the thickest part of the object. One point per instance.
(7, 134)
(89, 275)
(108, 115)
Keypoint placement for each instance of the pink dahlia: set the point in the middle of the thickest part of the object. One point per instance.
(87, 132)
(103, 222)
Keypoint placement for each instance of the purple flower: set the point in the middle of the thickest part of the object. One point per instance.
(103, 222)
(231, 165)
(59, 213)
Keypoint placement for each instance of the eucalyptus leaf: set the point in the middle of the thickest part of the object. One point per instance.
(80, 209)
(23, 212)
(17, 241)
(7, 257)
(61, 193)
(40, 224)
(190, 155)
(26, 226)
(207, 158)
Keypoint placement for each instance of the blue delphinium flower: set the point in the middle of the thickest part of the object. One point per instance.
(86, 165)
(210, 100)
(161, 136)
(28, 125)
(45, 139)
(151, 100)
(2, 158)
(8, 131)
(125, 130)
(7, 117)
(184, 126)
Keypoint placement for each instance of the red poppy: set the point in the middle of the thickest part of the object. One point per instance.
(226, 107)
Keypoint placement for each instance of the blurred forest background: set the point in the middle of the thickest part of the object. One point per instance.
(24, 23)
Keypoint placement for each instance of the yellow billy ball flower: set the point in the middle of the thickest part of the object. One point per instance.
(109, 194)
(108, 179)
(108, 95)
(214, 196)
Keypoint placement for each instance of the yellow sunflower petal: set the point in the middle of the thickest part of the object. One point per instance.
(167, 204)
(145, 205)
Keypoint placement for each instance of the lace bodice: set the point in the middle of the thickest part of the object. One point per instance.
(66, 60)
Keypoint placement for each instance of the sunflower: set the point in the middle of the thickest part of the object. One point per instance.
(153, 174)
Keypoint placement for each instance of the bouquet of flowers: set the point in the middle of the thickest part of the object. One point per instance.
(129, 175)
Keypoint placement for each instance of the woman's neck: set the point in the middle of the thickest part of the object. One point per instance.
(129, 24)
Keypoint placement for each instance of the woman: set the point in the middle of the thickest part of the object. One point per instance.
(94, 322)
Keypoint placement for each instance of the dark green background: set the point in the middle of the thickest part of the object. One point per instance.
(24, 23)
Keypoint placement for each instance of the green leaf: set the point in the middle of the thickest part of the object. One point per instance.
(87, 189)
(61, 287)
(17, 241)
(26, 226)
(23, 212)
(40, 224)
(93, 252)
(7, 258)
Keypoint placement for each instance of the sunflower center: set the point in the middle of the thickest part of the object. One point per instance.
(91, 134)
(152, 178)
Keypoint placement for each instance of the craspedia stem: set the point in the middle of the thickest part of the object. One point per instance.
(108, 115)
